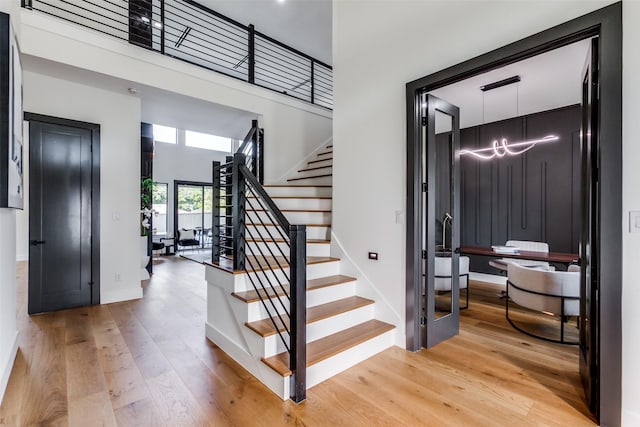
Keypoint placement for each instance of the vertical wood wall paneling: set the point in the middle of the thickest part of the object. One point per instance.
(534, 196)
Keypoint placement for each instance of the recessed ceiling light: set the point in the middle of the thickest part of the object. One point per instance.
(280, 1)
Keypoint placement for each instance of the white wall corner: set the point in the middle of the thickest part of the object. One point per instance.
(7, 366)
(365, 288)
(300, 165)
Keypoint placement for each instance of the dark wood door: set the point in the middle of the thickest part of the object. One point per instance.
(589, 241)
(60, 217)
(441, 219)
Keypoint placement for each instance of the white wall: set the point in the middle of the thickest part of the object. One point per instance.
(293, 128)
(179, 162)
(118, 115)
(631, 201)
(378, 48)
(8, 327)
(22, 216)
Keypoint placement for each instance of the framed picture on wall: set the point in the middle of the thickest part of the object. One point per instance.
(11, 138)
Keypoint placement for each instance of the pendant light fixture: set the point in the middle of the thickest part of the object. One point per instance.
(501, 147)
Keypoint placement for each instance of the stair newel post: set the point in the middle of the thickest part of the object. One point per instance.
(238, 209)
(215, 220)
(298, 309)
(251, 52)
(226, 235)
(261, 155)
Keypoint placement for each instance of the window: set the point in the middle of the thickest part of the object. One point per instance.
(164, 134)
(159, 204)
(207, 141)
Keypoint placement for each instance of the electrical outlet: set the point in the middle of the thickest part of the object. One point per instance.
(117, 277)
(115, 215)
(634, 222)
(373, 256)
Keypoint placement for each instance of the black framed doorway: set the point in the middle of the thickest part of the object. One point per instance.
(606, 25)
(64, 213)
(203, 192)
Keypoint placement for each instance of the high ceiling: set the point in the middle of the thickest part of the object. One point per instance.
(550, 80)
(301, 24)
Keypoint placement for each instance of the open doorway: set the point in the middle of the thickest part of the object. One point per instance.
(432, 142)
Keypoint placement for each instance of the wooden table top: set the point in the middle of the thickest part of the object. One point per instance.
(559, 257)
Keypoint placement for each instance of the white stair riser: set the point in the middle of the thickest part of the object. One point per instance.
(241, 282)
(256, 231)
(322, 170)
(313, 249)
(326, 162)
(292, 217)
(273, 344)
(346, 359)
(325, 180)
(257, 311)
(299, 191)
(302, 204)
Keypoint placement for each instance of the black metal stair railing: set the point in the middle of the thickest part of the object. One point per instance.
(252, 235)
(191, 32)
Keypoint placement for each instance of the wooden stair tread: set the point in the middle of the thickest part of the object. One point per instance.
(299, 185)
(252, 296)
(325, 153)
(291, 210)
(265, 327)
(315, 168)
(318, 161)
(310, 241)
(253, 263)
(297, 197)
(310, 177)
(329, 346)
(273, 225)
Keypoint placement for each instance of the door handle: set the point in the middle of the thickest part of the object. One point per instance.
(457, 250)
(37, 242)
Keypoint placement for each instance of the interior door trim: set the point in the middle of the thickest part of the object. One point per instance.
(606, 23)
(95, 191)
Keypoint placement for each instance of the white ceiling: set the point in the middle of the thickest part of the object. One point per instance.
(302, 24)
(550, 80)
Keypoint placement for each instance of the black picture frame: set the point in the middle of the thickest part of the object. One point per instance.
(11, 114)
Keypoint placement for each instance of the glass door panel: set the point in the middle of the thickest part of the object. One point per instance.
(441, 203)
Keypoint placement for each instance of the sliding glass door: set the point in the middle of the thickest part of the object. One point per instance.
(193, 209)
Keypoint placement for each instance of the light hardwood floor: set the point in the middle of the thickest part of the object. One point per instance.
(147, 363)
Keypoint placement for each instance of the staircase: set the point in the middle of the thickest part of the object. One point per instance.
(341, 326)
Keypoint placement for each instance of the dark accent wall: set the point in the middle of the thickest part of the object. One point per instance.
(532, 196)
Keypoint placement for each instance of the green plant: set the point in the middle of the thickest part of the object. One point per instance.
(146, 188)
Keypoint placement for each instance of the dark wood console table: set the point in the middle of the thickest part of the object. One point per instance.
(558, 257)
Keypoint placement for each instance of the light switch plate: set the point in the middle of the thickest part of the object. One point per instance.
(634, 222)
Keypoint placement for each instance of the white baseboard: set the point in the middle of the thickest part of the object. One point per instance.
(120, 294)
(22, 257)
(7, 366)
(488, 278)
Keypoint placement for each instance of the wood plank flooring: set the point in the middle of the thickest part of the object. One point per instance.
(147, 363)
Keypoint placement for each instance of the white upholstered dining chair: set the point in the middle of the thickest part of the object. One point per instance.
(555, 292)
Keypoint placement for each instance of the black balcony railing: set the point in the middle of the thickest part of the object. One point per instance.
(191, 32)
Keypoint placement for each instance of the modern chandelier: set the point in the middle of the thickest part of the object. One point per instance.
(501, 147)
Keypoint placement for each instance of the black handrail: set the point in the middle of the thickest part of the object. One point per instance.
(198, 35)
(251, 233)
